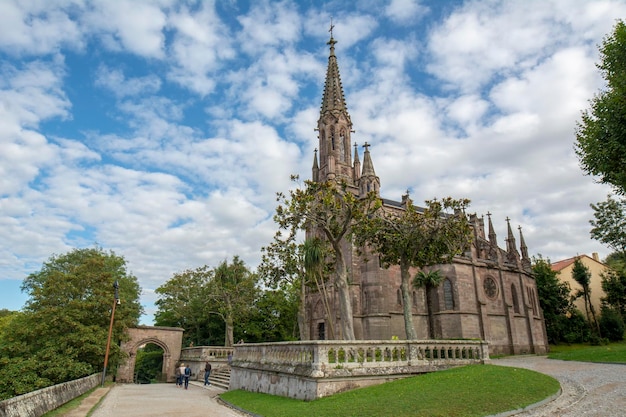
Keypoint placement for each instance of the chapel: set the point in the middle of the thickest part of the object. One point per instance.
(488, 292)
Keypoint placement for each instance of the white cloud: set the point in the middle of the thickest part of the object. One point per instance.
(114, 80)
(405, 12)
(34, 27)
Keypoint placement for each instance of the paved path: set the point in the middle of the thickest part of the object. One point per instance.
(163, 400)
(589, 389)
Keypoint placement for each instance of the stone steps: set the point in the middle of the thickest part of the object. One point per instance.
(220, 377)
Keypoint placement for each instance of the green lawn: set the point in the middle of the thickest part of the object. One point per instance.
(475, 390)
(612, 353)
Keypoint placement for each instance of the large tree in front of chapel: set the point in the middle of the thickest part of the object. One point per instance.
(418, 239)
(61, 333)
(328, 211)
(601, 134)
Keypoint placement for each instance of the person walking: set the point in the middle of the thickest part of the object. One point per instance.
(178, 376)
(181, 372)
(187, 375)
(207, 373)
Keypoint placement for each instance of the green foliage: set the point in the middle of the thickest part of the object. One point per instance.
(601, 134)
(611, 324)
(609, 226)
(582, 275)
(328, 210)
(273, 317)
(148, 364)
(614, 287)
(554, 299)
(184, 302)
(62, 332)
(501, 389)
(193, 298)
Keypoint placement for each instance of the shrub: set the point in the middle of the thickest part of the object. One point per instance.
(611, 324)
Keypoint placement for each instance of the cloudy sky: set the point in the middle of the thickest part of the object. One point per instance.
(162, 129)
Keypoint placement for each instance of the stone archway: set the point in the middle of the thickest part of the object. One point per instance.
(170, 339)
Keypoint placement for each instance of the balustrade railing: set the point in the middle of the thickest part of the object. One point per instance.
(337, 354)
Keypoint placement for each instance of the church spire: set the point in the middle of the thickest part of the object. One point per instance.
(492, 232)
(333, 98)
(368, 181)
(316, 168)
(335, 127)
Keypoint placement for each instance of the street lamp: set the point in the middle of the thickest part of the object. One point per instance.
(116, 301)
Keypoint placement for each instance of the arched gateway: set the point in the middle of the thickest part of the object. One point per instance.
(170, 339)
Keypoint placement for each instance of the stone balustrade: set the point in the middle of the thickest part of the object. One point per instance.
(311, 369)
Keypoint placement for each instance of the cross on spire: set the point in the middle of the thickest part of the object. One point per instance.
(366, 146)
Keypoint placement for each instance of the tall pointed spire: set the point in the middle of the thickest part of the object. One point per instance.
(368, 165)
(357, 164)
(333, 98)
(492, 233)
(510, 239)
(368, 181)
(316, 168)
(335, 127)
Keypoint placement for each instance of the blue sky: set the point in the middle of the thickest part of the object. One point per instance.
(163, 129)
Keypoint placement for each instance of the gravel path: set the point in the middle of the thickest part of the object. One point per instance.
(588, 389)
(163, 400)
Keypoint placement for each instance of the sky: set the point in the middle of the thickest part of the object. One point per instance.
(162, 130)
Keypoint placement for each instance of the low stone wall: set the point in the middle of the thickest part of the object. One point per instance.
(38, 403)
(315, 369)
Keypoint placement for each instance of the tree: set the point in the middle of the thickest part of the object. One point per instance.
(184, 302)
(62, 332)
(601, 134)
(327, 210)
(272, 317)
(315, 255)
(582, 275)
(282, 267)
(614, 286)
(418, 239)
(233, 290)
(609, 226)
(554, 299)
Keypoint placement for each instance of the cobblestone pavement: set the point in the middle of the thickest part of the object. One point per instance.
(163, 400)
(588, 389)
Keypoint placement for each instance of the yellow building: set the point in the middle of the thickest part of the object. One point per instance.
(596, 268)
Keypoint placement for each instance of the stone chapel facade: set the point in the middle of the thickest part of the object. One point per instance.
(488, 293)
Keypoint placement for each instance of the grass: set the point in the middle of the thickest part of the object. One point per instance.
(68, 406)
(475, 390)
(611, 353)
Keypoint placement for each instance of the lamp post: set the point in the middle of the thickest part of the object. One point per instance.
(116, 301)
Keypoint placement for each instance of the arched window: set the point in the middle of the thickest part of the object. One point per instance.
(399, 297)
(515, 300)
(414, 299)
(448, 296)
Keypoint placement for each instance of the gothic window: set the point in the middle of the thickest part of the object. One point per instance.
(399, 297)
(490, 287)
(365, 302)
(332, 138)
(448, 296)
(515, 300)
(321, 331)
(414, 299)
(342, 146)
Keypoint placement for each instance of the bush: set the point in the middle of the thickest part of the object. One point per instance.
(576, 328)
(611, 324)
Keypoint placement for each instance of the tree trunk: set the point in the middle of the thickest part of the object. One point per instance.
(343, 290)
(429, 306)
(407, 305)
(229, 338)
(302, 321)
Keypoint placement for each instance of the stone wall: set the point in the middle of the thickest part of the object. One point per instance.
(315, 369)
(38, 403)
